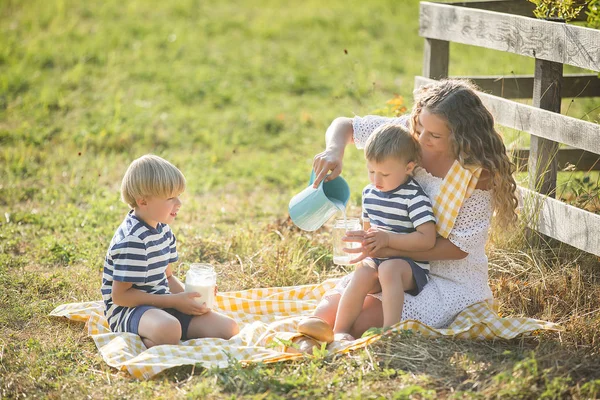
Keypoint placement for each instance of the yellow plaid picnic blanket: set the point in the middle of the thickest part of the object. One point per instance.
(457, 186)
(268, 318)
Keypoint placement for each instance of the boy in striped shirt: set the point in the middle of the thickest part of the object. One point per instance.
(396, 214)
(141, 295)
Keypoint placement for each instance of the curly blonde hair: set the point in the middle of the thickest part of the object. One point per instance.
(474, 139)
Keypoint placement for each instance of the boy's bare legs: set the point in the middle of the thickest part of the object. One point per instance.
(370, 316)
(327, 308)
(364, 281)
(395, 277)
(213, 325)
(159, 327)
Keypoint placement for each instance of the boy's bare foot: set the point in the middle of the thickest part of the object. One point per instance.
(343, 337)
(303, 344)
(316, 328)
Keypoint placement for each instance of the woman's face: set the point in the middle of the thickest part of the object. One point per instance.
(434, 134)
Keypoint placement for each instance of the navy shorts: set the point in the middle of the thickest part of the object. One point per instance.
(136, 315)
(420, 275)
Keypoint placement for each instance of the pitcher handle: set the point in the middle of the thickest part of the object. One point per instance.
(313, 176)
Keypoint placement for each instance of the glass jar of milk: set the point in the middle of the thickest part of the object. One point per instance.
(340, 257)
(202, 278)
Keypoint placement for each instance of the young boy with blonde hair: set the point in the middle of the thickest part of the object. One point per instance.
(141, 295)
(397, 214)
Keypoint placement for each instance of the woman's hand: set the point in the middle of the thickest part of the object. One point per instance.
(387, 252)
(187, 304)
(328, 160)
(376, 240)
(338, 135)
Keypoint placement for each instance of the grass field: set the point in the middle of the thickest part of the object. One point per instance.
(238, 95)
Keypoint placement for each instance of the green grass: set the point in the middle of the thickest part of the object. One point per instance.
(238, 95)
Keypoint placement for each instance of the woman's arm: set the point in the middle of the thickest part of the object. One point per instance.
(423, 238)
(338, 136)
(442, 250)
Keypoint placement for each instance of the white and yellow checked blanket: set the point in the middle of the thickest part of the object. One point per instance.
(457, 186)
(268, 318)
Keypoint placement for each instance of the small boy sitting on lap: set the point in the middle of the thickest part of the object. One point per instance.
(141, 295)
(397, 214)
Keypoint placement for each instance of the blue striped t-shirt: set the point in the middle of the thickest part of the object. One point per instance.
(139, 254)
(400, 210)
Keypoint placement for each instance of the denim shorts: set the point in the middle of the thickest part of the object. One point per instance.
(136, 315)
(420, 275)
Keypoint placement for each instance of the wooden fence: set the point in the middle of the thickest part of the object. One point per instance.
(508, 25)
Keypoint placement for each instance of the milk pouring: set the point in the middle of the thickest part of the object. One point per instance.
(202, 278)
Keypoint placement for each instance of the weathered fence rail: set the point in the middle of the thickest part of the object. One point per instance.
(543, 40)
(502, 25)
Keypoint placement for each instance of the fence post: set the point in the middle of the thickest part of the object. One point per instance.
(436, 56)
(542, 164)
(542, 155)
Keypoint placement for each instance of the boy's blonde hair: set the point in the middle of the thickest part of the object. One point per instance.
(392, 141)
(150, 176)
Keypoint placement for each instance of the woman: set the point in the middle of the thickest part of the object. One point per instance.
(451, 124)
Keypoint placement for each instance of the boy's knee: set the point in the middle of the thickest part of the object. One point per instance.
(166, 331)
(365, 271)
(228, 327)
(160, 327)
(232, 328)
(393, 270)
(170, 331)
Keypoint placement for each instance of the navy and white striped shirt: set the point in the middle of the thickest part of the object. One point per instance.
(139, 254)
(400, 210)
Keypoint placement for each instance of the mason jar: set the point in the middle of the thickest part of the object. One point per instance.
(340, 257)
(202, 278)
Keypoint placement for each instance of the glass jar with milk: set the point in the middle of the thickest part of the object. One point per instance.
(340, 257)
(202, 278)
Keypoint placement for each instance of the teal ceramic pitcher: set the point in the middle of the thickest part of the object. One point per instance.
(311, 208)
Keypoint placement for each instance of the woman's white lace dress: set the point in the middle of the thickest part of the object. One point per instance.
(454, 284)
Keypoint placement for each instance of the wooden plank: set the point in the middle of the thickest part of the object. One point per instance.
(569, 158)
(521, 86)
(518, 7)
(436, 57)
(551, 41)
(515, 7)
(560, 128)
(571, 225)
(543, 167)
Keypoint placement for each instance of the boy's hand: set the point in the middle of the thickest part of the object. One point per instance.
(187, 304)
(376, 240)
(357, 236)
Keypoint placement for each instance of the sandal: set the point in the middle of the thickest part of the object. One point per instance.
(316, 328)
